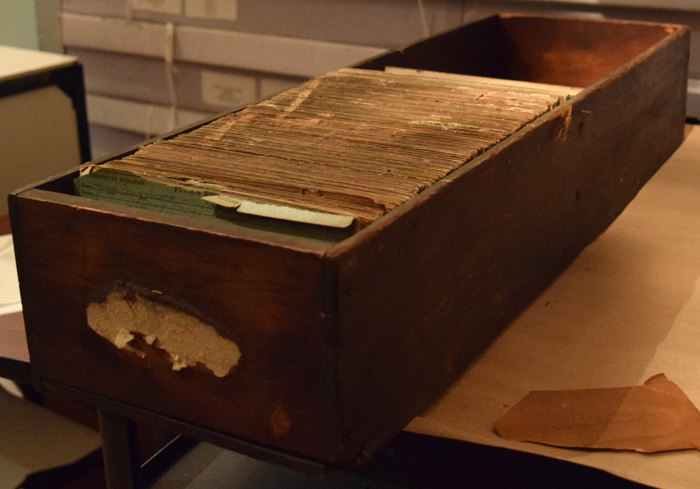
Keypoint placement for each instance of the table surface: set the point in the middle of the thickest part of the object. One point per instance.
(626, 309)
(13, 342)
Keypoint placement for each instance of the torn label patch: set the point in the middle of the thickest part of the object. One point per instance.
(186, 339)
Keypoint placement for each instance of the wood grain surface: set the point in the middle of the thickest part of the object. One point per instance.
(13, 341)
(268, 299)
(5, 224)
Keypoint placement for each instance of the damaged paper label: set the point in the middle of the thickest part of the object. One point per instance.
(654, 417)
(124, 315)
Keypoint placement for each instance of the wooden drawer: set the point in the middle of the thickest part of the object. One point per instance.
(344, 341)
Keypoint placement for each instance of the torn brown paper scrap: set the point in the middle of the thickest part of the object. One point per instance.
(654, 417)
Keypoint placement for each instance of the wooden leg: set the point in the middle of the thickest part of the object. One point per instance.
(119, 450)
